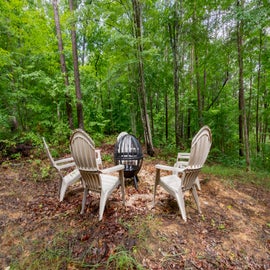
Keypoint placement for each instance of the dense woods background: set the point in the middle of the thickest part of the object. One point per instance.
(159, 69)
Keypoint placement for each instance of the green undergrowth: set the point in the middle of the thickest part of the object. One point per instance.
(233, 175)
(123, 259)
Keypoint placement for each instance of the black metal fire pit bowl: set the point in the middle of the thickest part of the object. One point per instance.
(128, 151)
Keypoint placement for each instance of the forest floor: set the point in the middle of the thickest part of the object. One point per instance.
(39, 232)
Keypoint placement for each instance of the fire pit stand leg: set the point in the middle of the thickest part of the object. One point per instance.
(136, 180)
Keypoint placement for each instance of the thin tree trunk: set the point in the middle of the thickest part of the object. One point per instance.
(265, 126)
(151, 113)
(174, 31)
(76, 72)
(141, 88)
(191, 90)
(198, 86)
(166, 115)
(63, 63)
(133, 109)
(258, 95)
(197, 72)
(215, 99)
(83, 49)
(240, 86)
(249, 103)
(166, 101)
(133, 114)
(243, 132)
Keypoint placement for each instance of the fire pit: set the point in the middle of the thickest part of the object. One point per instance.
(128, 151)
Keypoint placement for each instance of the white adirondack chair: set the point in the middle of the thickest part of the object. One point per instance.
(177, 186)
(66, 179)
(183, 158)
(93, 179)
(121, 134)
(98, 158)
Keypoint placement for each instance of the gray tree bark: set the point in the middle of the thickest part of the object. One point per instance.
(141, 88)
(243, 131)
(63, 63)
(79, 104)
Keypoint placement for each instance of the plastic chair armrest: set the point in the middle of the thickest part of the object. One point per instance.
(169, 168)
(113, 169)
(65, 163)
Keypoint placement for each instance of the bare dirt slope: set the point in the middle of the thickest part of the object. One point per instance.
(232, 233)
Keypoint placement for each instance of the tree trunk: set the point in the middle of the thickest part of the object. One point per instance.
(133, 109)
(191, 87)
(265, 122)
(174, 31)
(258, 95)
(198, 86)
(151, 113)
(76, 71)
(141, 88)
(166, 101)
(243, 132)
(166, 115)
(63, 63)
(197, 69)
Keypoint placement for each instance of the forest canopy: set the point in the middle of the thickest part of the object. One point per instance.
(158, 69)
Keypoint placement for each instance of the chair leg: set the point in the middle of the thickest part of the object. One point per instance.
(181, 203)
(196, 198)
(122, 183)
(155, 186)
(85, 192)
(102, 203)
(154, 195)
(63, 189)
(123, 194)
(197, 181)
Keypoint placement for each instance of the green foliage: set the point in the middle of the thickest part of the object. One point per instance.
(16, 156)
(40, 171)
(107, 157)
(235, 174)
(122, 260)
(168, 153)
(30, 137)
(34, 93)
(61, 133)
(6, 145)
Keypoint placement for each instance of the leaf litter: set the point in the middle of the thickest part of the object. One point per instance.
(233, 231)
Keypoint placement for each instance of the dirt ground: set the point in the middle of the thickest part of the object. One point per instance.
(233, 231)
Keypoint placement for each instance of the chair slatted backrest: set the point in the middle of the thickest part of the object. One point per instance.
(189, 176)
(123, 133)
(200, 147)
(83, 152)
(49, 154)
